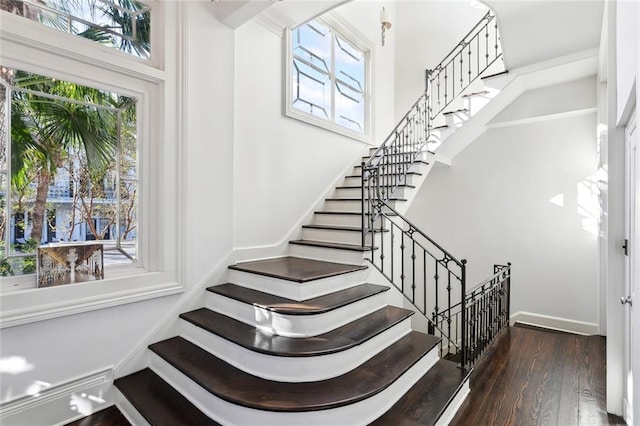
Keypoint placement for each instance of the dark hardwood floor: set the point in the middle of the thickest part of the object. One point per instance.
(529, 376)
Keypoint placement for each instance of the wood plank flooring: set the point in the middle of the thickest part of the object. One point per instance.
(531, 376)
(528, 376)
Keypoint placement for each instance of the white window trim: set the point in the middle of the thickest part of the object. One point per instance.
(28, 45)
(354, 37)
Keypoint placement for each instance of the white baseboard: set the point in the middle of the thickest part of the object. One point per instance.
(555, 323)
(61, 403)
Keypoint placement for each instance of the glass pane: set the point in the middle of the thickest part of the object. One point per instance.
(18, 266)
(65, 171)
(311, 89)
(3, 215)
(4, 109)
(122, 24)
(129, 216)
(311, 74)
(350, 81)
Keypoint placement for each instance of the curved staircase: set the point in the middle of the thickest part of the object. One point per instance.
(327, 349)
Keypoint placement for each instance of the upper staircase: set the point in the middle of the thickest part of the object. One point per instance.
(320, 336)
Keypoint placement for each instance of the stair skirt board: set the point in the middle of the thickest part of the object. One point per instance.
(359, 413)
(294, 325)
(295, 290)
(293, 369)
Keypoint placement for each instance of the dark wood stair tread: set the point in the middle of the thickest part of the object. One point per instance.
(412, 163)
(282, 305)
(296, 269)
(359, 199)
(236, 386)
(401, 185)
(338, 246)
(337, 340)
(426, 401)
(158, 402)
(407, 173)
(480, 93)
(458, 111)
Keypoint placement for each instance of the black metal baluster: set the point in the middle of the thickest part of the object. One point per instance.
(402, 262)
(413, 269)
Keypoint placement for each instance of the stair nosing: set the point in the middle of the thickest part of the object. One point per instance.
(375, 290)
(285, 391)
(348, 343)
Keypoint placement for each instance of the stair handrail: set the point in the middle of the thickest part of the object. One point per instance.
(488, 312)
(387, 168)
(491, 52)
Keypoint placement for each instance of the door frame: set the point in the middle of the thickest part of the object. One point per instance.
(631, 401)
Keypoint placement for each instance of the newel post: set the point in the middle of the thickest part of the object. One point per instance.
(463, 316)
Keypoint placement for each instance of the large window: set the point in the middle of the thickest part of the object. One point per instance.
(121, 24)
(328, 79)
(73, 175)
(87, 155)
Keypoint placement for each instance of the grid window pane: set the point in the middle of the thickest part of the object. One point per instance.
(328, 76)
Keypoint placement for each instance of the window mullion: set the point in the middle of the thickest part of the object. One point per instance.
(333, 76)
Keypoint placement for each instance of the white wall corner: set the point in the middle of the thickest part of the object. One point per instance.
(60, 403)
(555, 323)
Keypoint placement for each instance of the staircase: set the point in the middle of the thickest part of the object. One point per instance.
(322, 347)
(308, 338)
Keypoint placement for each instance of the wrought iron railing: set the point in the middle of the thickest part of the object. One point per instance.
(479, 317)
(476, 52)
(428, 276)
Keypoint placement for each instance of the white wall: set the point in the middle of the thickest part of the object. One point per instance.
(282, 165)
(525, 194)
(626, 53)
(424, 32)
(209, 142)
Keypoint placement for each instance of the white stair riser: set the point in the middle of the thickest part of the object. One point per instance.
(340, 220)
(295, 290)
(400, 192)
(335, 236)
(362, 412)
(293, 369)
(411, 179)
(353, 205)
(294, 325)
(327, 254)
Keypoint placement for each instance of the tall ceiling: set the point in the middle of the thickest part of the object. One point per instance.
(532, 30)
(538, 30)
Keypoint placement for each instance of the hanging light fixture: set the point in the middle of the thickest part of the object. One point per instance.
(384, 22)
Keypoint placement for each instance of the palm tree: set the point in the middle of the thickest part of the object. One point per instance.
(44, 129)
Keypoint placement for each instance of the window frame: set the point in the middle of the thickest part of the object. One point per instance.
(340, 28)
(35, 48)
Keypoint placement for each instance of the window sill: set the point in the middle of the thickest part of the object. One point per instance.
(327, 125)
(38, 304)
